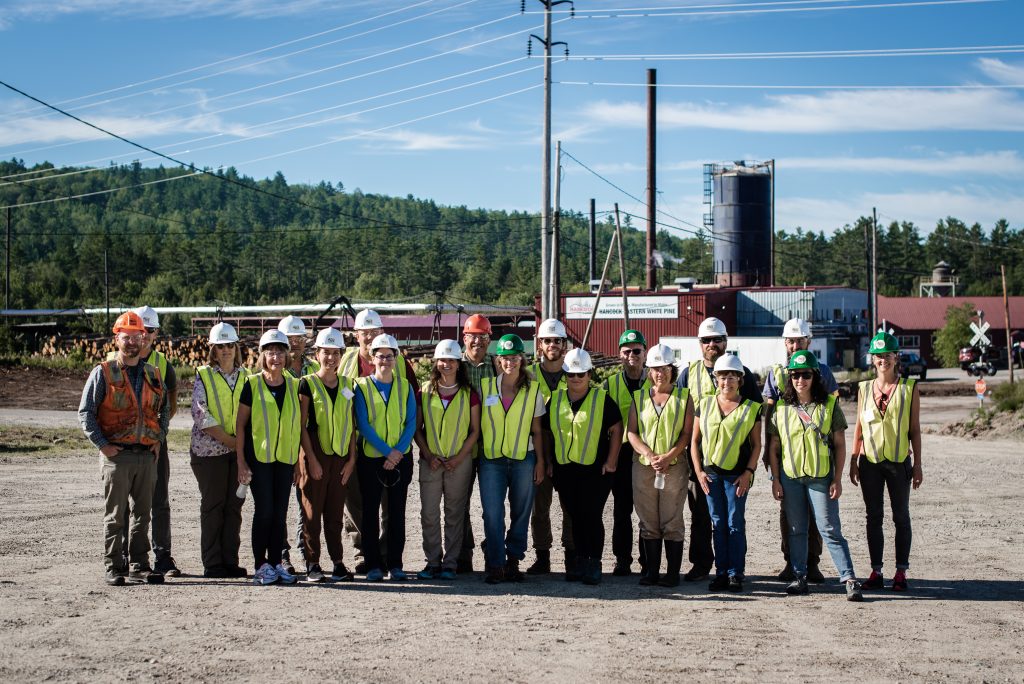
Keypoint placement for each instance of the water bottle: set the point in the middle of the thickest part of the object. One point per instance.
(659, 480)
(242, 490)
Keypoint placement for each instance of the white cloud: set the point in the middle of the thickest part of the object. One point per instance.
(406, 140)
(984, 163)
(998, 70)
(47, 131)
(831, 112)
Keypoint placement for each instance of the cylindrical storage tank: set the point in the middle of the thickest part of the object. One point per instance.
(742, 220)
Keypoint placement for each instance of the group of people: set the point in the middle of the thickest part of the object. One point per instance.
(659, 438)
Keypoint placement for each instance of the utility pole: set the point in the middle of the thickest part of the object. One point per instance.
(771, 243)
(867, 282)
(592, 256)
(652, 186)
(1006, 313)
(874, 267)
(556, 273)
(7, 258)
(545, 184)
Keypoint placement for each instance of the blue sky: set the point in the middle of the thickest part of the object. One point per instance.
(435, 98)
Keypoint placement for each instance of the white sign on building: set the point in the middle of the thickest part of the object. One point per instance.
(611, 307)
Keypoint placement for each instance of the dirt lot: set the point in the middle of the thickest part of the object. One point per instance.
(963, 619)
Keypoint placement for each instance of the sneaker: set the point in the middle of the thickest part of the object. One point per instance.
(145, 576)
(495, 575)
(375, 575)
(622, 568)
(341, 573)
(448, 574)
(875, 581)
(265, 575)
(283, 574)
(798, 587)
(286, 564)
(512, 571)
(787, 574)
(398, 575)
(166, 566)
(114, 578)
(428, 573)
(814, 575)
(362, 568)
(718, 584)
(315, 573)
(899, 581)
(853, 592)
(695, 574)
(735, 583)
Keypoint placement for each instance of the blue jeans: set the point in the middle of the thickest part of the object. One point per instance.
(498, 477)
(729, 526)
(797, 494)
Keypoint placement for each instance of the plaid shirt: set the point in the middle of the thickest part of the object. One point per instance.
(477, 373)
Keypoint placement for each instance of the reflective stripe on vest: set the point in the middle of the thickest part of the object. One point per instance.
(387, 418)
(446, 426)
(333, 417)
(125, 418)
(803, 453)
(700, 385)
(544, 389)
(222, 398)
(780, 380)
(500, 427)
(275, 432)
(575, 441)
(886, 438)
(620, 394)
(660, 431)
(721, 437)
(158, 359)
(349, 366)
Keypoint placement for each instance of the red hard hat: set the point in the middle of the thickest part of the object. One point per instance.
(129, 321)
(477, 324)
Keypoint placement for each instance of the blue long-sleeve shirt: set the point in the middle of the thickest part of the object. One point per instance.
(367, 431)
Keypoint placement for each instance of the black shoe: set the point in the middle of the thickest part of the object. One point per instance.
(695, 574)
(571, 562)
(235, 571)
(114, 578)
(652, 555)
(512, 571)
(216, 572)
(362, 567)
(787, 574)
(591, 571)
(814, 575)
(495, 575)
(464, 565)
(736, 583)
(720, 583)
(145, 576)
(798, 587)
(341, 573)
(622, 567)
(166, 566)
(286, 563)
(542, 565)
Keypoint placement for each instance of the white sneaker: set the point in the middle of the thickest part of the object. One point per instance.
(283, 575)
(265, 575)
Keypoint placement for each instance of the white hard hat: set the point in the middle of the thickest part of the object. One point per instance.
(577, 361)
(384, 341)
(223, 333)
(796, 327)
(551, 328)
(711, 327)
(448, 349)
(660, 355)
(729, 362)
(274, 337)
(292, 325)
(367, 319)
(149, 317)
(329, 338)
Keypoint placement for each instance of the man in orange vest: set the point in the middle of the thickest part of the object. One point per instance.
(125, 413)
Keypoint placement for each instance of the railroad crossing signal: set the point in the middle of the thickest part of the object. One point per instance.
(980, 338)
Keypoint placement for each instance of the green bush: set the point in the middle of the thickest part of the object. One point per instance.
(1008, 397)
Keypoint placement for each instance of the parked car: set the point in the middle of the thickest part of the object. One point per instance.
(913, 364)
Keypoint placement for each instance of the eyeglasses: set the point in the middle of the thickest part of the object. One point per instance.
(275, 352)
(725, 377)
(131, 338)
(384, 358)
(152, 331)
(552, 341)
(476, 338)
(712, 340)
(801, 375)
(511, 358)
(576, 375)
(631, 352)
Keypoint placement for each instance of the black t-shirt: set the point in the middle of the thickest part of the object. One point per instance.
(306, 391)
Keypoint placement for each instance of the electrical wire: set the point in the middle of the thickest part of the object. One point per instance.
(736, 86)
(804, 54)
(780, 10)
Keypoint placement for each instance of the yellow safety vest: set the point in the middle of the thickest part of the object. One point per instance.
(446, 427)
(349, 367)
(309, 367)
(507, 434)
(721, 438)
(544, 389)
(660, 431)
(886, 438)
(803, 451)
(387, 418)
(158, 359)
(334, 419)
(276, 434)
(575, 441)
(616, 386)
(222, 398)
(699, 384)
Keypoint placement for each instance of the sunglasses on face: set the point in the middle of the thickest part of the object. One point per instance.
(630, 352)
(801, 375)
(576, 375)
(712, 340)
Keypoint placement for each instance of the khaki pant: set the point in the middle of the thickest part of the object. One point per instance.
(453, 487)
(661, 510)
(220, 510)
(129, 478)
(323, 500)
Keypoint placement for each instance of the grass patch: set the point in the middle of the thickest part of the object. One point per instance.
(1008, 397)
(34, 439)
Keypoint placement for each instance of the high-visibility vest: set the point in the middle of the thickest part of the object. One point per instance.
(222, 398)
(387, 418)
(660, 431)
(623, 398)
(721, 438)
(334, 419)
(276, 433)
(699, 384)
(544, 389)
(124, 418)
(886, 438)
(309, 367)
(803, 452)
(779, 371)
(446, 427)
(158, 359)
(506, 434)
(349, 367)
(577, 436)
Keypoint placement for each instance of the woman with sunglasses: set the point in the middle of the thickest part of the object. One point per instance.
(268, 421)
(587, 435)
(807, 455)
(660, 423)
(385, 408)
(447, 434)
(513, 462)
(725, 446)
(888, 431)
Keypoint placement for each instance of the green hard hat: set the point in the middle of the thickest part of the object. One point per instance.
(509, 344)
(632, 337)
(883, 343)
(803, 360)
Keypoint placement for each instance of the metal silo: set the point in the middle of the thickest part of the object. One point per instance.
(740, 195)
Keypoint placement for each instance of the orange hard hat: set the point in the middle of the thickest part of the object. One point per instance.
(129, 321)
(477, 324)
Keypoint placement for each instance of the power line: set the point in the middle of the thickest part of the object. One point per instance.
(729, 12)
(805, 54)
(737, 86)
